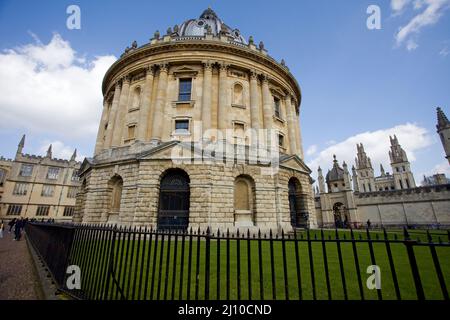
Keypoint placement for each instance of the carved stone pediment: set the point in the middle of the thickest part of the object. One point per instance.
(295, 163)
(185, 71)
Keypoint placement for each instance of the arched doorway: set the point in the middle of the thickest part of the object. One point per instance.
(174, 194)
(340, 213)
(297, 204)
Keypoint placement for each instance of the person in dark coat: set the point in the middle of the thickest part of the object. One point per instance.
(18, 229)
(368, 223)
(11, 224)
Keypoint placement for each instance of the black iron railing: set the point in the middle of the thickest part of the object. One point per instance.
(146, 264)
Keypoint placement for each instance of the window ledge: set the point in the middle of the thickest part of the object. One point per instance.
(279, 119)
(180, 134)
(238, 106)
(129, 140)
(191, 103)
(133, 109)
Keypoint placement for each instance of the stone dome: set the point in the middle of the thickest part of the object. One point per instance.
(335, 174)
(198, 27)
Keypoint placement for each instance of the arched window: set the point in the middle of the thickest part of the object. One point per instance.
(241, 195)
(116, 185)
(238, 94)
(244, 199)
(136, 97)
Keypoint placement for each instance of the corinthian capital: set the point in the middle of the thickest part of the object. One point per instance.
(207, 64)
(150, 70)
(253, 74)
(126, 79)
(265, 77)
(163, 67)
(223, 66)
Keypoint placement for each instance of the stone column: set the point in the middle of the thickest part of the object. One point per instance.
(112, 116)
(99, 144)
(290, 114)
(254, 100)
(222, 113)
(267, 103)
(298, 134)
(145, 105)
(122, 109)
(206, 99)
(160, 103)
(267, 100)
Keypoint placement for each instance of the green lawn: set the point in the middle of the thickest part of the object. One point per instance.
(132, 259)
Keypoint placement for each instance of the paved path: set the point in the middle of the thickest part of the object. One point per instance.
(18, 279)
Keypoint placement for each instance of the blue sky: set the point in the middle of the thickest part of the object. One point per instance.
(358, 85)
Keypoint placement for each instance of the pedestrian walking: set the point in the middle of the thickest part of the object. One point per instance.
(1, 229)
(368, 223)
(11, 224)
(18, 229)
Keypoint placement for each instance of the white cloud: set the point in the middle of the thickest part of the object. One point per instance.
(442, 167)
(50, 89)
(398, 5)
(411, 45)
(311, 150)
(376, 144)
(59, 150)
(429, 16)
(444, 52)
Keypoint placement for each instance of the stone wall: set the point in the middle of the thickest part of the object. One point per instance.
(422, 206)
(211, 194)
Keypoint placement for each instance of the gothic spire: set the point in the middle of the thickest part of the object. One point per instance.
(49, 152)
(443, 121)
(74, 155)
(21, 145)
(383, 173)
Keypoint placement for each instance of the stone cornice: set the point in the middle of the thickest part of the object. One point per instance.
(199, 45)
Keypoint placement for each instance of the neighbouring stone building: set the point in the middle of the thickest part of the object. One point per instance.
(391, 199)
(200, 127)
(40, 187)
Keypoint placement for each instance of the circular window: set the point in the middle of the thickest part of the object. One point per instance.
(236, 34)
(200, 23)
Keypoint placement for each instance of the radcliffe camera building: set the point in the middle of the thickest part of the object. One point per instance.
(200, 127)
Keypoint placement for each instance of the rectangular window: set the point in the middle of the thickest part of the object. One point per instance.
(20, 189)
(276, 104)
(280, 140)
(52, 173)
(26, 170)
(42, 210)
(2, 176)
(75, 176)
(72, 192)
(131, 131)
(47, 190)
(239, 133)
(182, 126)
(68, 211)
(14, 210)
(184, 90)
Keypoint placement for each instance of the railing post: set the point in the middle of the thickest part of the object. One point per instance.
(412, 261)
(207, 262)
(110, 263)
